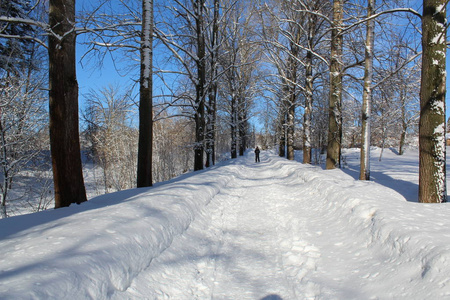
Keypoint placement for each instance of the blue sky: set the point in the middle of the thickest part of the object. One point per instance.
(91, 77)
(96, 78)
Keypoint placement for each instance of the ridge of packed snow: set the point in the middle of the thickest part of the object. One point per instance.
(98, 247)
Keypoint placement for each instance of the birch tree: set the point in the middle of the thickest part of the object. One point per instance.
(432, 154)
(367, 95)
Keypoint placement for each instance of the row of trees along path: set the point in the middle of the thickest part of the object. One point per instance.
(63, 88)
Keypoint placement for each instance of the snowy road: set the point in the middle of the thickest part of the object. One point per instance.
(263, 237)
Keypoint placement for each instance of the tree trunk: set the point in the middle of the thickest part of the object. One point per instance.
(211, 113)
(307, 149)
(282, 130)
(210, 128)
(364, 173)
(200, 87)
(401, 149)
(242, 127)
(290, 128)
(144, 167)
(63, 105)
(335, 110)
(233, 127)
(5, 167)
(432, 172)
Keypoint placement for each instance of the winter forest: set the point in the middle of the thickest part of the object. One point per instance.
(205, 81)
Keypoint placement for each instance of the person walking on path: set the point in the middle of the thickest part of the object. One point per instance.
(257, 154)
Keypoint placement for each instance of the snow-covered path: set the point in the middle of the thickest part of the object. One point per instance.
(240, 230)
(265, 236)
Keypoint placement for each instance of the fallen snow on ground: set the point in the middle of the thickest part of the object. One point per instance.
(273, 230)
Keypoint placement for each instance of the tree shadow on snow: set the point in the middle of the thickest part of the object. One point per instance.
(272, 297)
(405, 188)
(187, 182)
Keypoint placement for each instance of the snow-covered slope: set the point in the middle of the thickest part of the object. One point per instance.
(240, 230)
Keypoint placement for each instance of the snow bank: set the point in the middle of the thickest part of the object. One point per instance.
(413, 238)
(91, 250)
(96, 249)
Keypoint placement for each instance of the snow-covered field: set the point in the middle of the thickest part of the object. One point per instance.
(273, 230)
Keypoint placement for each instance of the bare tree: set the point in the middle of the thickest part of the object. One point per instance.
(239, 66)
(186, 41)
(63, 95)
(211, 114)
(109, 114)
(144, 164)
(315, 30)
(22, 121)
(396, 95)
(336, 70)
(64, 134)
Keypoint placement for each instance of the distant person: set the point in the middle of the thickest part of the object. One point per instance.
(257, 154)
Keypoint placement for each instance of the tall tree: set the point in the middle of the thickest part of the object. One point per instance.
(314, 62)
(367, 95)
(185, 37)
(335, 102)
(64, 132)
(238, 64)
(291, 83)
(211, 115)
(144, 168)
(200, 86)
(432, 154)
(307, 116)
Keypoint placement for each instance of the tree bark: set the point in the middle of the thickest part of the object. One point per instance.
(200, 87)
(282, 130)
(290, 128)
(145, 151)
(63, 105)
(335, 110)
(364, 173)
(307, 124)
(401, 149)
(212, 97)
(242, 120)
(432, 153)
(233, 126)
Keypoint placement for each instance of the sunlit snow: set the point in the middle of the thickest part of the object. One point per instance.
(240, 230)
